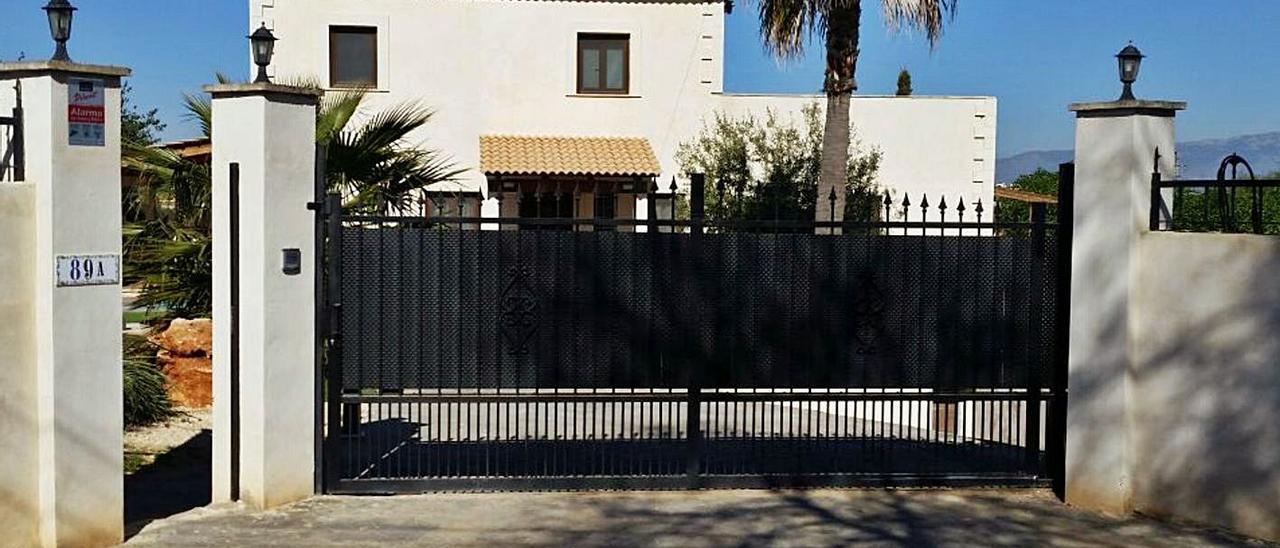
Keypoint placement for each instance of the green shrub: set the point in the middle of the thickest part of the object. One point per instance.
(146, 401)
(762, 168)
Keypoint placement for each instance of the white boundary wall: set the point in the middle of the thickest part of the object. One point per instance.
(19, 428)
(1174, 386)
(1205, 385)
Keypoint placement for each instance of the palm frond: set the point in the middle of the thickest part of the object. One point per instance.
(786, 24)
(392, 125)
(199, 109)
(335, 113)
(927, 16)
(167, 244)
(308, 82)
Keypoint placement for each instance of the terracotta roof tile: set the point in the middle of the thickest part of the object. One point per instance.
(524, 155)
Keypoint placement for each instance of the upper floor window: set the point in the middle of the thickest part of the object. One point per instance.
(353, 57)
(604, 64)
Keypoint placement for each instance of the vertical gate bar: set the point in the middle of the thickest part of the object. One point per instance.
(233, 216)
(453, 412)
(1064, 232)
(1255, 210)
(1036, 333)
(18, 141)
(692, 361)
(321, 319)
(1156, 199)
(399, 446)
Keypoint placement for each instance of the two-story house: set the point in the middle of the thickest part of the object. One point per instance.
(540, 96)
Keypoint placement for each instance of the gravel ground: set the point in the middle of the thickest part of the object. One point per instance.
(685, 519)
(186, 424)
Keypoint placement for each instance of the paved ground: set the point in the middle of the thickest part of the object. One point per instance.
(705, 518)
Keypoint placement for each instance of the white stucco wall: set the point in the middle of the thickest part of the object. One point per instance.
(273, 140)
(1205, 394)
(19, 430)
(508, 67)
(62, 345)
(1174, 360)
(939, 146)
(1114, 158)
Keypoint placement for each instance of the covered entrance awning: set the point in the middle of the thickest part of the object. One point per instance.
(505, 156)
(568, 177)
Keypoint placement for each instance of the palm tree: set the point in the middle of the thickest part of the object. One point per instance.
(167, 213)
(786, 24)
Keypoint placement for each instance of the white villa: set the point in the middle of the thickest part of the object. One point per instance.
(534, 93)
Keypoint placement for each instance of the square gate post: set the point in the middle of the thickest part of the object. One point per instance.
(268, 132)
(61, 416)
(1118, 145)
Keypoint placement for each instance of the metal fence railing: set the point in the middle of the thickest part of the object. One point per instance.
(1229, 203)
(12, 153)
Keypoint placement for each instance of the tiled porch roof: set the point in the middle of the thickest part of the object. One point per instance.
(1024, 196)
(604, 156)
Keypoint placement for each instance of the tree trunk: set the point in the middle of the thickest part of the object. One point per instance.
(834, 166)
(842, 61)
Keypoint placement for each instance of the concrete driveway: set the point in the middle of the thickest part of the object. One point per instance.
(698, 518)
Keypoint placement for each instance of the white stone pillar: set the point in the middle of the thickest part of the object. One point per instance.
(1116, 144)
(60, 347)
(268, 133)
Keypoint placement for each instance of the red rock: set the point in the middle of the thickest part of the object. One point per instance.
(186, 359)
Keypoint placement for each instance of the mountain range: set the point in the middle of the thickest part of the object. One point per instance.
(1196, 159)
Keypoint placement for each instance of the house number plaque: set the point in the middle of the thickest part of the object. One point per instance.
(81, 270)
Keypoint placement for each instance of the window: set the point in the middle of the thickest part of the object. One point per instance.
(604, 209)
(604, 64)
(353, 57)
(546, 205)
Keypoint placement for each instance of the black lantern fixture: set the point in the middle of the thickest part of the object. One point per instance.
(1130, 62)
(264, 45)
(60, 13)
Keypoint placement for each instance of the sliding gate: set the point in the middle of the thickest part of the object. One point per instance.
(486, 354)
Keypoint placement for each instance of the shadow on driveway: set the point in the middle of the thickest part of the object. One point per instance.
(178, 480)
(691, 518)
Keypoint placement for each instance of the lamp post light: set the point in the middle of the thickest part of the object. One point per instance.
(264, 45)
(1130, 62)
(60, 13)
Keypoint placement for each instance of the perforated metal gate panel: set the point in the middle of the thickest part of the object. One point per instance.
(528, 358)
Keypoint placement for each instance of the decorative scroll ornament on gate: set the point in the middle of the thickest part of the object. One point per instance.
(519, 310)
(868, 314)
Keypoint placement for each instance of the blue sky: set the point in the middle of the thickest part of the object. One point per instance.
(1036, 56)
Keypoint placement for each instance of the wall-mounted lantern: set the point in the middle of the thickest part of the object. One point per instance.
(60, 13)
(1130, 62)
(264, 45)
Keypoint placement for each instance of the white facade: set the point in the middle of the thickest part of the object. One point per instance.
(503, 67)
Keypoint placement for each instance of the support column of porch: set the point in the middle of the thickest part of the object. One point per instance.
(264, 424)
(1116, 151)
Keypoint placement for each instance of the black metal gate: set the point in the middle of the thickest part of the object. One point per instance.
(533, 353)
